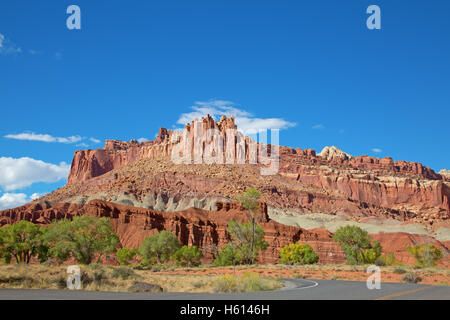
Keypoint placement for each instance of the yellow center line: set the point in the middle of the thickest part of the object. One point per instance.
(402, 293)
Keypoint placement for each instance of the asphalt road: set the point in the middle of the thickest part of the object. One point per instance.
(296, 289)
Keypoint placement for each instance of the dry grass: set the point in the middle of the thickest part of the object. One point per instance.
(195, 279)
(433, 276)
(98, 278)
(248, 282)
(106, 278)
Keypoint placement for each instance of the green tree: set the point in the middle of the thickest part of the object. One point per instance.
(188, 256)
(248, 241)
(356, 244)
(373, 253)
(160, 246)
(125, 255)
(426, 255)
(82, 238)
(298, 253)
(226, 256)
(250, 201)
(22, 241)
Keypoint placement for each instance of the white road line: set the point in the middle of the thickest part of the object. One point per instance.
(315, 284)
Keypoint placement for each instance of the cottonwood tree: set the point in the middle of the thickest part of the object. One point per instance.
(356, 244)
(160, 246)
(22, 241)
(83, 238)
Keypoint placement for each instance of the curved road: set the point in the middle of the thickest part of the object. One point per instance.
(296, 289)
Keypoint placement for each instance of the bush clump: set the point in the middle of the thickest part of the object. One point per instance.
(123, 272)
(188, 256)
(159, 247)
(357, 246)
(399, 271)
(426, 255)
(411, 277)
(125, 256)
(385, 260)
(298, 253)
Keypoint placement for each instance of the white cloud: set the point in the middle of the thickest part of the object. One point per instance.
(82, 145)
(376, 150)
(318, 127)
(23, 172)
(8, 47)
(31, 136)
(12, 200)
(244, 120)
(37, 195)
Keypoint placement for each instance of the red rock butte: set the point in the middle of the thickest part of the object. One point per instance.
(143, 191)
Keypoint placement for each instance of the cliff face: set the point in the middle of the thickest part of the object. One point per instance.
(207, 229)
(406, 189)
(160, 194)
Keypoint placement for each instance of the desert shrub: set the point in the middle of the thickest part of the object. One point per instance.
(249, 281)
(385, 260)
(380, 261)
(390, 259)
(399, 271)
(22, 241)
(226, 284)
(61, 282)
(157, 268)
(125, 255)
(85, 278)
(82, 238)
(159, 246)
(298, 253)
(188, 256)
(411, 277)
(357, 246)
(123, 272)
(99, 276)
(49, 263)
(426, 255)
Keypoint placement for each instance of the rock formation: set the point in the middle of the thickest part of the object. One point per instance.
(332, 182)
(207, 229)
(333, 152)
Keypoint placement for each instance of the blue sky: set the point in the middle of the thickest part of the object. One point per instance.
(312, 67)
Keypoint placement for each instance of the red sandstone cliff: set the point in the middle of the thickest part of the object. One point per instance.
(208, 228)
(331, 182)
